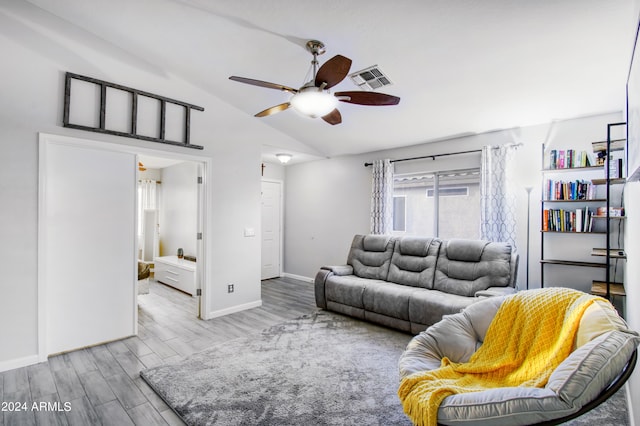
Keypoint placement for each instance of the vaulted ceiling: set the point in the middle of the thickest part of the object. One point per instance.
(460, 67)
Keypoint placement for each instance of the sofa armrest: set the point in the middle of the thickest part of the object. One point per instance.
(495, 291)
(339, 269)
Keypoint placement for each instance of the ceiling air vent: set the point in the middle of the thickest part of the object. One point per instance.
(371, 78)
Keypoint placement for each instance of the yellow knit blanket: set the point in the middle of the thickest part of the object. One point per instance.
(525, 342)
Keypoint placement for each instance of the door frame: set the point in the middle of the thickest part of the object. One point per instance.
(204, 209)
(280, 219)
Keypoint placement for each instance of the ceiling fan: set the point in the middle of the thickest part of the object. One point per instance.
(313, 99)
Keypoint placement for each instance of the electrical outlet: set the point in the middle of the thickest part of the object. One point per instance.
(230, 288)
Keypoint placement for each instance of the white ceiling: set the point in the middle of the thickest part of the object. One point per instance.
(460, 67)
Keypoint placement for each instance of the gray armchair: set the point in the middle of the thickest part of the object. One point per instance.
(603, 358)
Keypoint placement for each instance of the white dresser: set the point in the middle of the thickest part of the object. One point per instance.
(178, 273)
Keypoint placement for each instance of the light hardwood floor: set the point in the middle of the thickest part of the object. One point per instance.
(102, 384)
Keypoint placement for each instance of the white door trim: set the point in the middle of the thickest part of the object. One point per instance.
(281, 219)
(204, 209)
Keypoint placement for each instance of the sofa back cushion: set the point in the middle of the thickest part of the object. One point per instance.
(414, 261)
(467, 266)
(370, 256)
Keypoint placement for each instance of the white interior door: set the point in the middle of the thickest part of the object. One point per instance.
(87, 225)
(271, 234)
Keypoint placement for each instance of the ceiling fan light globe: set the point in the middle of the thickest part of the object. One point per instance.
(314, 103)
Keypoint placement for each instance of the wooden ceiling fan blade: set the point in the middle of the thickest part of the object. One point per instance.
(333, 71)
(261, 83)
(273, 110)
(367, 98)
(333, 118)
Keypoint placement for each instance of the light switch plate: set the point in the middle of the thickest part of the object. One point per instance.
(249, 232)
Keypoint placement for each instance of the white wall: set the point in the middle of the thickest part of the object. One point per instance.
(151, 174)
(179, 209)
(274, 171)
(632, 273)
(632, 283)
(328, 201)
(32, 96)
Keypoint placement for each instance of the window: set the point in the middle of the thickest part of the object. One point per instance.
(399, 213)
(443, 204)
(450, 192)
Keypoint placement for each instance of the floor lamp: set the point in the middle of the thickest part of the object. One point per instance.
(528, 189)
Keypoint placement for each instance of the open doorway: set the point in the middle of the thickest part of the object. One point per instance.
(168, 234)
(87, 247)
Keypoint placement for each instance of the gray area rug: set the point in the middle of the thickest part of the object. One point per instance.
(320, 369)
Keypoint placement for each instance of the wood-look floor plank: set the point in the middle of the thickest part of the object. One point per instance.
(112, 414)
(129, 363)
(125, 390)
(171, 418)
(52, 413)
(137, 346)
(41, 380)
(160, 348)
(105, 361)
(19, 412)
(68, 384)
(151, 360)
(153, 398)
(96, 387)
(82, 361)
(145, 414)
(82, 413)
(15, 381)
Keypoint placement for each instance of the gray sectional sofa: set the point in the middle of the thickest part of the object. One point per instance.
(409, 283)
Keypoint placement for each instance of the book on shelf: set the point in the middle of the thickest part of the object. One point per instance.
(569, 190)
(570, 158)
(561, 220)
(616, 168)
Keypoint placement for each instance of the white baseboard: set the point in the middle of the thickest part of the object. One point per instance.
(18, 363)
(297, 277)
(233, 309)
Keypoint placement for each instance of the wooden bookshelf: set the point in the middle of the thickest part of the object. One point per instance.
(584, 200)
(572, 169)
(599, 288)
(573, 263)
(574, 232)
(614, 253)
(613, 181)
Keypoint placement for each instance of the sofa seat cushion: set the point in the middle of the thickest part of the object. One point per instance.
(465, 267)
(427, 307)
(348, 289)
(389, 299)
(414, 261)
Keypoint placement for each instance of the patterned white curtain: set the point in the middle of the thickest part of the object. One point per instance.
(497, 216)
(382, 197)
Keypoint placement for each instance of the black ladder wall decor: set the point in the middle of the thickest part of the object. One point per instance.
(133, 124)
